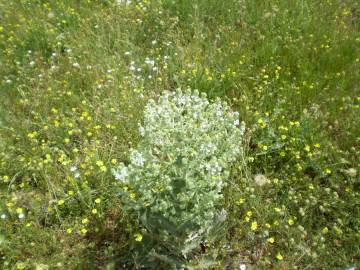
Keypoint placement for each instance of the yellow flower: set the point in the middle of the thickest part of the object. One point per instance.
(291, 221)
(138, 237)
(327, 171)
(32, 135)
(69, 231)
(99, 163)
(271, 240)
(6, 178)
(83, 231)
(279, 257)
(114, 161)
(85, 221)
(60, 202)
(94, 211)
(307, 148)
(19, 210)
(240, 201)
(20, 266)
(325, 230)
(254, 226)
(97, 200)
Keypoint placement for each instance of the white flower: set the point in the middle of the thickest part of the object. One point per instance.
(73, 168)
(260, 179)
(3, 216)
(137, 158)
(142, 130)
(121, 174)
(21, 216)
(122, 2)
(149, 62)
(351, 172)
(242, 267)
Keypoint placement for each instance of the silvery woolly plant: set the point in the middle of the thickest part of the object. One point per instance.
(174, 179)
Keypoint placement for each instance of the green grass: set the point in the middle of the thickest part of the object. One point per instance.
(70, 97)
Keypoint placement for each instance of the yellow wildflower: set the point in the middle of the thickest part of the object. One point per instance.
(279, 257)
(254, 225)
(60, 202)
(138, 237)
(271, 240)
(85, 221)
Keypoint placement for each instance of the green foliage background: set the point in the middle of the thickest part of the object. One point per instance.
(74, 79)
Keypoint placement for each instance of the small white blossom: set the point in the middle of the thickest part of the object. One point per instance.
(137, 158)
(242, 267)
(121, 174)
(351, 172)
(260, 179)
(141, 131)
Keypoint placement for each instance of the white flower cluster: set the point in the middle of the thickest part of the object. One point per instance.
(182, 161)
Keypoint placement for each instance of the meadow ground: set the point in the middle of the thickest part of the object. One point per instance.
(74, 78)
